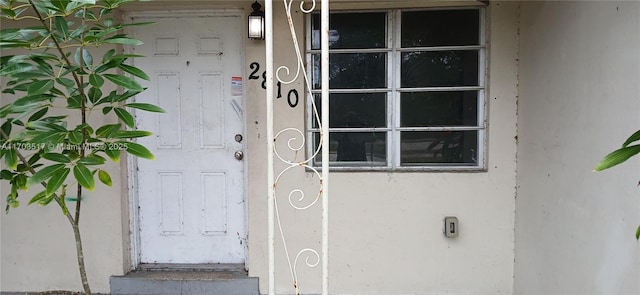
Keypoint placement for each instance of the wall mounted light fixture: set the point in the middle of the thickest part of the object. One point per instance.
(256, 22)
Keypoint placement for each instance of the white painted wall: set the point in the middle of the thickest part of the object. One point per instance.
(579, 100)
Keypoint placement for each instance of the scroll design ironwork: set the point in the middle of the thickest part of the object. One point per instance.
(296, 142)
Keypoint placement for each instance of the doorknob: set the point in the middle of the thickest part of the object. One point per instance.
(238, 155)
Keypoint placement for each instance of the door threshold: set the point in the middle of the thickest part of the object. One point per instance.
(240, 267)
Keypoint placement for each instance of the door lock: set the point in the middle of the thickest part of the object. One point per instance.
(239, 155)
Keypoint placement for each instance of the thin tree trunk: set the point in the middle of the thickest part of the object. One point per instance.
(80, 254)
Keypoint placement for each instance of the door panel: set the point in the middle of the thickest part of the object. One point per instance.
(191, 198)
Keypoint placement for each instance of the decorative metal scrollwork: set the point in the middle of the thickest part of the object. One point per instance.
(295, 143)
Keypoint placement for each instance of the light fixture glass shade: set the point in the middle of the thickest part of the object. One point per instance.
(256, 26)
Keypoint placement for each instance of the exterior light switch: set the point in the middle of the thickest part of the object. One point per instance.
(451, 227)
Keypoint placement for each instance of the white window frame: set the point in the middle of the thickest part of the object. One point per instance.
(393, 90)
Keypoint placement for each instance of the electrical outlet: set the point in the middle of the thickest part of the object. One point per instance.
(451, 227)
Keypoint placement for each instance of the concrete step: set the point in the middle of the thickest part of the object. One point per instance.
(185, 280)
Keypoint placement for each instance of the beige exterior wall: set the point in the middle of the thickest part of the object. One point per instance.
(386, 228)
(579, 100)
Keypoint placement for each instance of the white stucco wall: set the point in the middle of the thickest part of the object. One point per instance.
(579, 100)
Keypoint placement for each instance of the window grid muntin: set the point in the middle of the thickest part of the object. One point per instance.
(394, 130)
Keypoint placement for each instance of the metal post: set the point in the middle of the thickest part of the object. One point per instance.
(270, 172)
(324, 55)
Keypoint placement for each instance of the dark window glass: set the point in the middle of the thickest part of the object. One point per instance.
(353, 70)
(440, 28)
(440, 68)
(350, 110)
(355, 148)
(445, 147)
(352, 30)
(449, 108)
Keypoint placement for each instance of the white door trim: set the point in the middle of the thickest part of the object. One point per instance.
(132, 161)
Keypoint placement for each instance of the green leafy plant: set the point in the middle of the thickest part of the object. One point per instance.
(630, 148)
(58, 82)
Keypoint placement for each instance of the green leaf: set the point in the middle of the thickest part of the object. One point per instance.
(78, 31)
(60, 158)
(21, 181)
(45, 173)
(146, 107)
(132, 134)
(75, 137)
(126, 95)
(45, 126)
(124, 81)
(107, 131)
(86, 127)
(134, 71)
(40, 87)
(84, 176)
(87, 59)
(56, 181)
(138, 150)
(140, 23)
(23, 168)
(6, 175)
(12, 198)
(37, 197)
(96, 81)
(107, 55)
(16, 68)
(638, 233)
(74, 102)
(618, 156)
(632, 138)
(37, 115)
(92, 160)
(66, 82)
(126, 55)
(62, 27)
(46, 200)
(113, 154)
(30, 101)
(123, 40)
(104, 177)
(94, 94)
(125, 116)
(112, 63)
(11, 159)
(35, 158)
(6, 128)
(8, 13)
(57, 5)
(50, 138)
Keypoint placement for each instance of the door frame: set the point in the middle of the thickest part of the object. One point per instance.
(132, 239)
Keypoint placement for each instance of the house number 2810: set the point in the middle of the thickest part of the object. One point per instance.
(292, 96)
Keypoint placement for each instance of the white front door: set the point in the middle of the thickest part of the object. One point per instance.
(191, 198)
